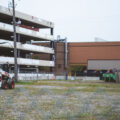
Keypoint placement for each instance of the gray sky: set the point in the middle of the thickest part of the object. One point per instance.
(78, 20)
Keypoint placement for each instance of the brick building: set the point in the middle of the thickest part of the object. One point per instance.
(59, 48)
(95, 55)
(86, 56)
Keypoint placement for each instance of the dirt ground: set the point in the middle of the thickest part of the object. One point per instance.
(61, 100)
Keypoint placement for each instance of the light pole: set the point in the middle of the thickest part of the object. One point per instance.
(15, 48)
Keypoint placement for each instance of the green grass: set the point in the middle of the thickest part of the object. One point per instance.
(66, 85)
(70, 84)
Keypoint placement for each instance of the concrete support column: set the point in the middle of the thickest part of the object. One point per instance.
(18, 40)
(18, 51)
(52, 31)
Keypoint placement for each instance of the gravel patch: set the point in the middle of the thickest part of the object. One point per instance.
(33, 102)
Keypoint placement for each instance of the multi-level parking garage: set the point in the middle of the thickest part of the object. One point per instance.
(28, 30)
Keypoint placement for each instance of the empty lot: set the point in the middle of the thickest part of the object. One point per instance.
(61, 100)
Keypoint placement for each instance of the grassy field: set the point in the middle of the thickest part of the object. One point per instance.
(61, 100)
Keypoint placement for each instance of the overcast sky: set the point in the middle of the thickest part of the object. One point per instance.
(78, 20)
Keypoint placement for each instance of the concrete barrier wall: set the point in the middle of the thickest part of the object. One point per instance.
(26, 32)
(60, 77)
(87, 78)
(25, 77)
(117, 77)
(26, 61)
(26, 17)
(27, 47)
(32, 77)
(77, 78)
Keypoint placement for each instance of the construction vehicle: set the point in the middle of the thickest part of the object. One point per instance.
(6, 79)
(109, 76)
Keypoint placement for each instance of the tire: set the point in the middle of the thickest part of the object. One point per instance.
(4, 84)
(106, 79)
(11, 84)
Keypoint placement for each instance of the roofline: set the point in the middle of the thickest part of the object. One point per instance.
(27, 17)
(97, 42)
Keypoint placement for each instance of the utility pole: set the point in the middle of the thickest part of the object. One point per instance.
(15, 48)
(52, 45)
